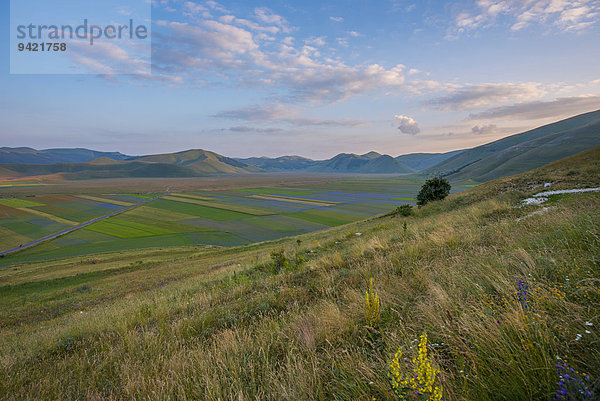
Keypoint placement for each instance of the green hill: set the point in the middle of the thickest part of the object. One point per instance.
(525, 151)
(371, 162)
(53, 156)
(368, 163)
(422, 161)
(503, 292)
(200, 161)
(192, 163)
(283, 163)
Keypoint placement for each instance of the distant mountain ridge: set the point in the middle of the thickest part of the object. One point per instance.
(510, 155)
(200, 161)
(53, 156)
(368, 163)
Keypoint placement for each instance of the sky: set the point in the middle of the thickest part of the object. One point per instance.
(313, 78)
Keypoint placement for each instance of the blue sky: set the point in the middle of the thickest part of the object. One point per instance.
(318, 78)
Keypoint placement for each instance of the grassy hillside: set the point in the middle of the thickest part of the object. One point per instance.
(200, 161)
(369, 163)
(284, 163)
(422, 161)
(503, 293)
(525, 151)
(52, 156)
(192, 163)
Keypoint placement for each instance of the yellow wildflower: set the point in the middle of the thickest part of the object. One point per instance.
(371, 307)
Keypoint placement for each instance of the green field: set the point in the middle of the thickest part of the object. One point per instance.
(226, 217)
(127, 229)
(504, 292)
(17, 203)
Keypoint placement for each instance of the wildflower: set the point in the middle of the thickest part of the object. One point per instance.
(522, 294)
(422, 383)
(589, 323)
(371, 308)
(570, 385)
(578, 337)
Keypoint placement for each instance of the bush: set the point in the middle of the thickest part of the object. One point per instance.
(279, 260)
(404, 210)
(434, 189)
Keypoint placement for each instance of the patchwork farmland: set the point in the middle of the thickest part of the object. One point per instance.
(230, 217)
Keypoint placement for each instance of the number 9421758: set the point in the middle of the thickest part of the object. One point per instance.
(42, 47)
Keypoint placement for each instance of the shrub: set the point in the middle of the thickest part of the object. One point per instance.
(371, 307)
(404, 210)
(298, 259)
(279, 260)
(436, 188)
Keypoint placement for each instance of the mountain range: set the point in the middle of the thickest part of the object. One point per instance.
(506, 156)
(53, 156)
(368, 163)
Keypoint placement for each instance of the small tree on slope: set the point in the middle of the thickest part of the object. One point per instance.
(436, 188)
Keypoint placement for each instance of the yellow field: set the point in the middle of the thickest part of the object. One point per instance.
(10, 239)
(295, 200)
(233, 208)
(199, 197)
(105, 200)
(49, 216)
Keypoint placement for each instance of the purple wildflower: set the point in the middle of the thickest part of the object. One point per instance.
(522, 294)
(570, 385)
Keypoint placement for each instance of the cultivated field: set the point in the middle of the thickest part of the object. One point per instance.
(224, 217)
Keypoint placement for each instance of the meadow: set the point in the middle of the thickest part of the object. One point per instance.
(477, 295)
(221, 216)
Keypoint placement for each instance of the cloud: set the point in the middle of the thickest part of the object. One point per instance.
(283, 114)
(337, 19)
(255, 53)
(330, 83)
(191, 8)
(256, 113)
(108, 58)
(250, 24)
(245, 128)
(407, 125)
(269, 17)
(485, 129)
(316, 41)
(565, 106)
(216, 6)
(342, 42)
(561, 14)
(306, 121)
(212, 38)
(482, 95)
